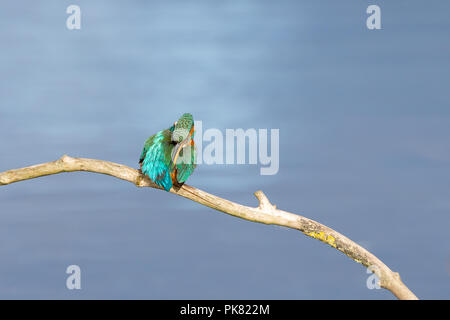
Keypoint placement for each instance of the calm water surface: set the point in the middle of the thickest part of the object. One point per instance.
(364, 121)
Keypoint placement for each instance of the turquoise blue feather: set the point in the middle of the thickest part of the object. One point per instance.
(156, 159)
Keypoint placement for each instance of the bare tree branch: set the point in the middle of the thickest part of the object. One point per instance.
(265, 213)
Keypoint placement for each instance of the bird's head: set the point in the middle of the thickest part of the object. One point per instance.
(183, 129)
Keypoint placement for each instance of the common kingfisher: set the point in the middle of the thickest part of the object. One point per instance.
(169, 156)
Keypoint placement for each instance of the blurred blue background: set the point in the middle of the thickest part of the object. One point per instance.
(364, 121)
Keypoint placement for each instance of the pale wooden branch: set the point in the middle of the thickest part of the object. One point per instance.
(265, 213)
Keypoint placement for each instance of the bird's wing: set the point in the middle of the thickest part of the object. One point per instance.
(156, 159)
(147, 145)
(186, 162)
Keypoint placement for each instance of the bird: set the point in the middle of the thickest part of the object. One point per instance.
(169, 156)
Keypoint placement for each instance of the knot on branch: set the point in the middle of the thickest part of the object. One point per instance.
(65, 159)
(387, 279)
(141, 180)
(264, 203)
